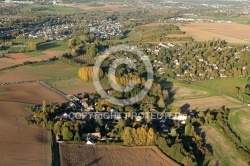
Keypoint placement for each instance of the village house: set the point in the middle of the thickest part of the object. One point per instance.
(91, 136)
(180, 117)
(223, 75)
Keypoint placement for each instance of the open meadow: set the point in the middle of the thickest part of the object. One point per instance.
(225, 85)
(154, 33)
(203, 97)
(213, 102)
(239, 121)
(232, 33)
(224, 151)
(75, 154)
(72, 85)
(21, 143)
(48, 70)
(106, 7)
(51, 9)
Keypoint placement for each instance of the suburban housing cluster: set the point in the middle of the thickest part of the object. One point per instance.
(106, 29)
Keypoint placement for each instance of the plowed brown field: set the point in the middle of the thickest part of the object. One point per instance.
(21, 143)
(232, 33)
(92, 155)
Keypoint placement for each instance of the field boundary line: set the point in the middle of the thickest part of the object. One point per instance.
(54, 89)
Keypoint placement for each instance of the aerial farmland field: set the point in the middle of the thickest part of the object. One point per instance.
(232, 33)
(75, 154)
(223, 150)
(23, 143)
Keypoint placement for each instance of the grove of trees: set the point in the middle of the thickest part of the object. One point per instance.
(86, 73)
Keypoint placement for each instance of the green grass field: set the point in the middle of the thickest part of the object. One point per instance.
(224, 152)
(151, 34)
(194, 89)
(70, 82)
(14, 48)
(200, 98)
(41, 45)
(53, 46)
(225, 85)
(51, 9)
(239, 121)
(61, 10)
(49, 70)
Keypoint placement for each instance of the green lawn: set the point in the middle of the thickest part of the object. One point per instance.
(53, 46)
(151, 34)
(41, 44)
(194, 89)
(34, 53)
(51, 9)
(14, 48)
(61, 10)
(70, 82)
(239, 121)
(50, 70)
(225, 85)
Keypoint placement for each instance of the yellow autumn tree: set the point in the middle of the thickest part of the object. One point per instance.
(86, 73)
(32, 46)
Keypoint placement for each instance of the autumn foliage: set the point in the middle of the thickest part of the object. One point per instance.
(32, 45)
(86, 73)
(125, 79)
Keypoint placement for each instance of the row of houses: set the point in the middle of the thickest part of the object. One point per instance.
(181, 19)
